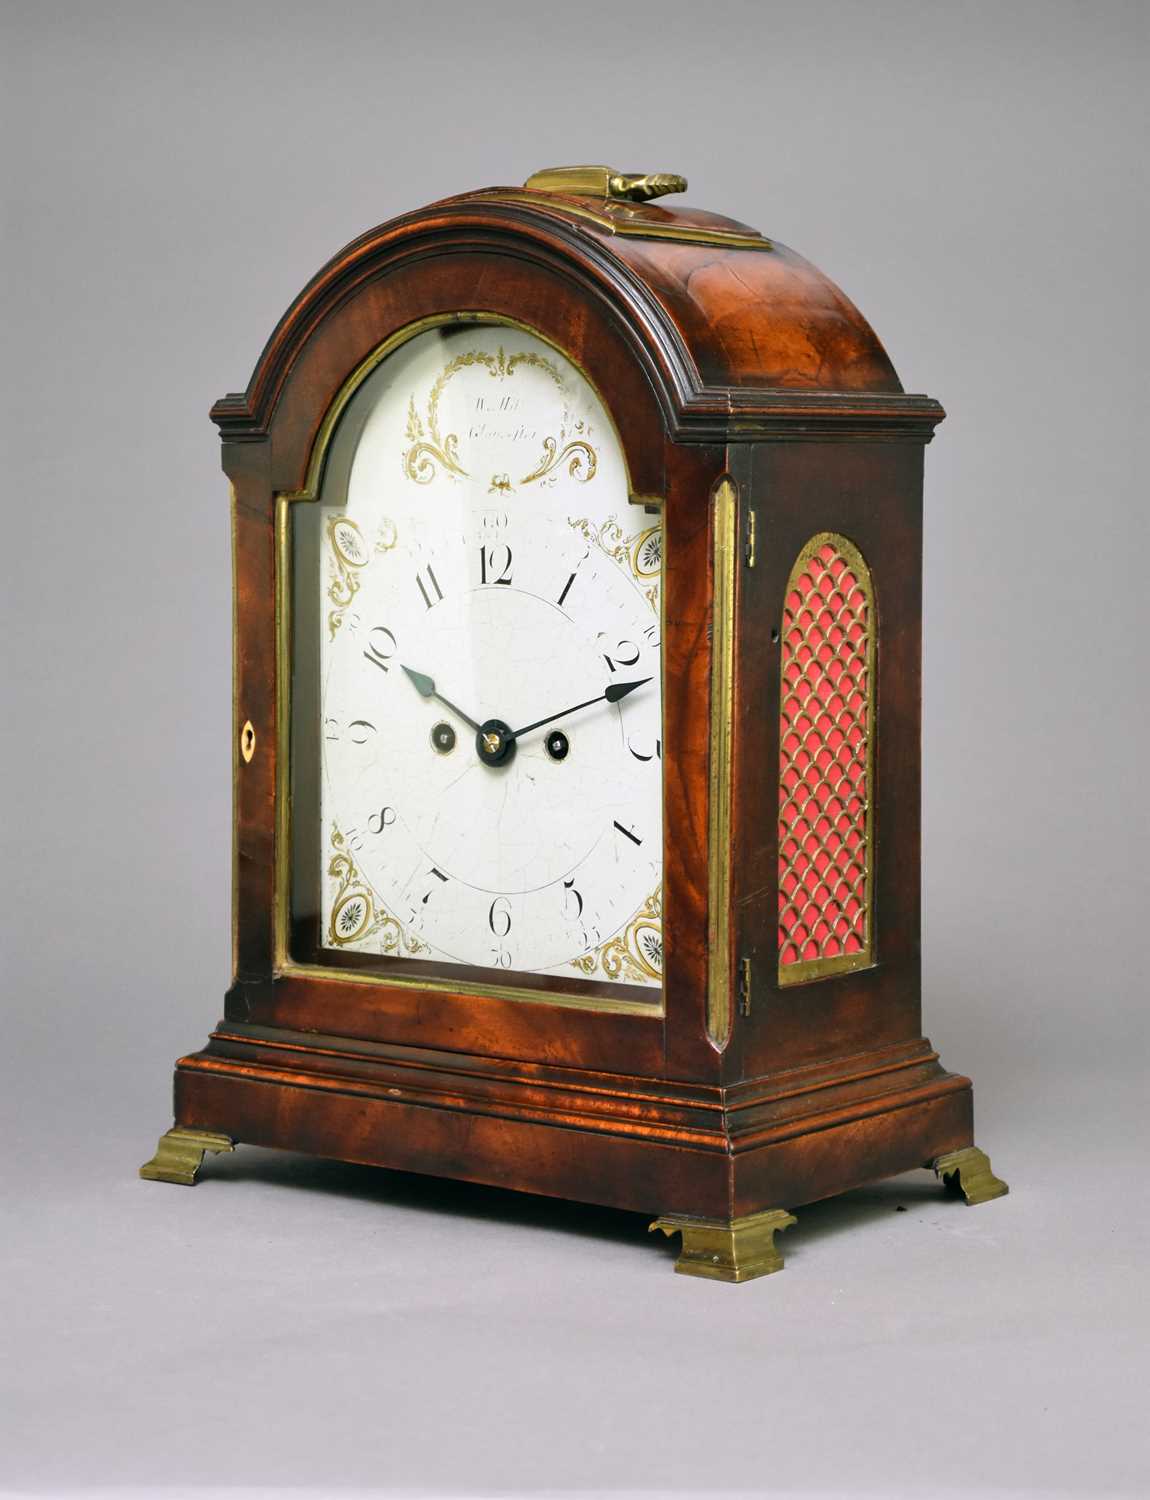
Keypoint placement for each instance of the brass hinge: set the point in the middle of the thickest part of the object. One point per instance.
(749, 547)
(744, 987)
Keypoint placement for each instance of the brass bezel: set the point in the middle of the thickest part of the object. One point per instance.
(806, 971)
(284, 965)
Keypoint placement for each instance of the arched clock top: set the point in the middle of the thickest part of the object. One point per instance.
(732, 336)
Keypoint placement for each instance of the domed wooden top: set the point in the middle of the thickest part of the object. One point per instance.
(752, 311)
(740, 337)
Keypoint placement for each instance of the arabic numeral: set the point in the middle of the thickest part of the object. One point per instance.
(572, 901)
(645, 749)
(381, 647)
(495, 564)
(625, 654)
(499, 917)
(590, 938)
(358, 731)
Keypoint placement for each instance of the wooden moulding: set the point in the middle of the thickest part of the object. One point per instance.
(643, 1144)
(738, 345)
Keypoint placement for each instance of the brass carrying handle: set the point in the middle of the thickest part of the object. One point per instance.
(639, 188)
(605, 182)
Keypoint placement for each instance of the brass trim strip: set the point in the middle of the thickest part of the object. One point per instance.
(288, 969)
(282, 874)
(309, 492)
(810, 969)
(725, 509)
(310, 488)
(685, 233)
(235, 867)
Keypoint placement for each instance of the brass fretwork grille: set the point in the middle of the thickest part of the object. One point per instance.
(826, 763)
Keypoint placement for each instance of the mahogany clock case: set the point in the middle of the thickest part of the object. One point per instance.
(756, 409)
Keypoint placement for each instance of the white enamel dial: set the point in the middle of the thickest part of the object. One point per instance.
(491, 758)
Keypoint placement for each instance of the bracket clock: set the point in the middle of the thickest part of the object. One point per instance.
(577, 695)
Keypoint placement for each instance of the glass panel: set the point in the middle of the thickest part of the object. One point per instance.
(826, 737)
(476, 756)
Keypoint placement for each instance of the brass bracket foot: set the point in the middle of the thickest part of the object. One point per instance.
(728, 1249)
(970, 1171)
(181, 1153)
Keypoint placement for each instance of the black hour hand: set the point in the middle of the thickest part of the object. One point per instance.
(425, 687)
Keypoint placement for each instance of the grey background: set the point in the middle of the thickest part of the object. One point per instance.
(971, 174)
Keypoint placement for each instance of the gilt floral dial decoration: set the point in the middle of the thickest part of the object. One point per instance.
(489, 678)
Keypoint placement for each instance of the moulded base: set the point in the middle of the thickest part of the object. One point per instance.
(721, 1166)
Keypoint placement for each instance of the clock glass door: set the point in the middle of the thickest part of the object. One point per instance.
(476, 743)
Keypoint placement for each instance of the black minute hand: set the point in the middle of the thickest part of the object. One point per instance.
(425, 687)
(614, 692)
